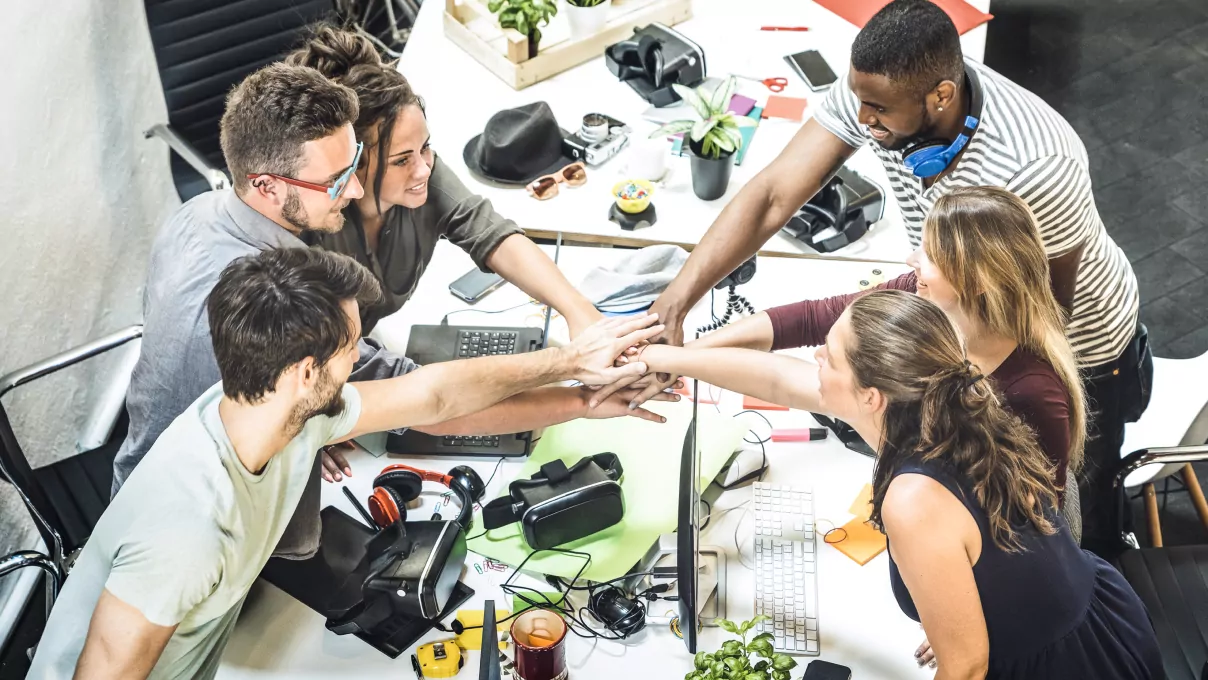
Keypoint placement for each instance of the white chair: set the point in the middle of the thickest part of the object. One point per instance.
(1177, 416)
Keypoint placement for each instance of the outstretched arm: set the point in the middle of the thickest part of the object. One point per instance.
(523, 264)
(776, 378)
(441, 392)
(763, 206)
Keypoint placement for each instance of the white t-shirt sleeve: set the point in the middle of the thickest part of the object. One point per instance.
(839, 113)
(166, 574)
(1058, 190)
(330, 429)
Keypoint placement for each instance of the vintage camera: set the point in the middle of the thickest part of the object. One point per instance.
(599, 138)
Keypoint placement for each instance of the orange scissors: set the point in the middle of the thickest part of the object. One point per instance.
(773, 84)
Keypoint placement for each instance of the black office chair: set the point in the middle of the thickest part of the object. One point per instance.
(64, 499)
(1172, 582)
(203, 48)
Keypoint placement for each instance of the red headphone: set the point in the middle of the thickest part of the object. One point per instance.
(399, 484)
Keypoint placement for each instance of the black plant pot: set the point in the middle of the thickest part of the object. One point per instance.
(710, 176)
(533, 47)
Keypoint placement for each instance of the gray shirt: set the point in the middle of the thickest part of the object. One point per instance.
(409, 237)
(177, 362)
(186, 538)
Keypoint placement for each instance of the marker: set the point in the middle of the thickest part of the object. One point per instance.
(802, 434)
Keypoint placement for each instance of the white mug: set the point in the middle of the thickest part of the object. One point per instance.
(648, 159)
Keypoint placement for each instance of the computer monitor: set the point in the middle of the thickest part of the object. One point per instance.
(488, 665)
(687, 565)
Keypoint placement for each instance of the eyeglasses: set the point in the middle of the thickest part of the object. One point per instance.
(546, 186)
(337, 187)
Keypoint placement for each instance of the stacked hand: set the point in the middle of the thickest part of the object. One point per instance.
(594, 354)
(648, 385)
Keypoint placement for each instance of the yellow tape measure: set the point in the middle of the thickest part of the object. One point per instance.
(440, 659)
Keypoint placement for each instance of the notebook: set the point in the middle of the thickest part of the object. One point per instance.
(965, 16)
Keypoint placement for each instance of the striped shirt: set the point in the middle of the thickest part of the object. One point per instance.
(1026, 147)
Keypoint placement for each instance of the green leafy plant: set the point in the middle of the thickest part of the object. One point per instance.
(585, 3)
(524, 15)
(716, 132)
(734, 660)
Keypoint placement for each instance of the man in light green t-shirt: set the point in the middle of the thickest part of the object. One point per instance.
(157, 589)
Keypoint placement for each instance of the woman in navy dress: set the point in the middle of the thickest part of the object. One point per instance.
(979, 553)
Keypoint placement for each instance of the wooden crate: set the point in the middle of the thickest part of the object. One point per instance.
(504, 52)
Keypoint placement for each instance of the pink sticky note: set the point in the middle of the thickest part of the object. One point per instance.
(740, 105)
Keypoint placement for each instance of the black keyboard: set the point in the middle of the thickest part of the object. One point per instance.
(472, 344)
(490, 441)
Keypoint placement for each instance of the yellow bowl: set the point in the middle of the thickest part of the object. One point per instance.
(632, 205)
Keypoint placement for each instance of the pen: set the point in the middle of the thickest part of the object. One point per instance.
(784, 28)
(360, 508)
(419, 673)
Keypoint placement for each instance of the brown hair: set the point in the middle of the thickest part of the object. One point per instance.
(938, 408)
(351, 59)
(271, 310)
(986, 242)
(273, 112)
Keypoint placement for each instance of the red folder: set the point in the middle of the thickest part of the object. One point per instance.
(965, 16)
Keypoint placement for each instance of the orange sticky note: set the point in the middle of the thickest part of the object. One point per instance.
(862, 542)
(760, 405)
(790, 108)
(862, 506)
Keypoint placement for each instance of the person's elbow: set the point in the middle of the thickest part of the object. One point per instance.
(974, 667)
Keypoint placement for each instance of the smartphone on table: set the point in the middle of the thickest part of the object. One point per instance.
(475, 284)
(813, 69)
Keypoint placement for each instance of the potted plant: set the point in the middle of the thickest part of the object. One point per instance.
(586, 17)
(712, 139)
(734, 660)
(526, 16)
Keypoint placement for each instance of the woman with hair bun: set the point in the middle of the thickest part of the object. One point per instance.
(412, 198)
(978, 552)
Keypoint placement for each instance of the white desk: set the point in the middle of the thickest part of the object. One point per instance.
(860, 624)
(461, 95)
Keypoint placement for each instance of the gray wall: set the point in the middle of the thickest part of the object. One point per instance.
(81, 196)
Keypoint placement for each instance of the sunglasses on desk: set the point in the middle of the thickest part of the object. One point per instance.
(546, 186)
(333, 190)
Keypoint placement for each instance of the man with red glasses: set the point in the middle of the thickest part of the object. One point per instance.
(288, 141)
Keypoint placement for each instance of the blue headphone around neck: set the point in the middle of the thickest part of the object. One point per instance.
(929, 158)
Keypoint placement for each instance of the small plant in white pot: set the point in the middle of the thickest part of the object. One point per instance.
(712, 139)
(586, 17)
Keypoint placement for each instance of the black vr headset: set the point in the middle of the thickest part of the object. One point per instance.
(558, 504)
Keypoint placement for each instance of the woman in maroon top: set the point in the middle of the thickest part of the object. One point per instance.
(983, 263)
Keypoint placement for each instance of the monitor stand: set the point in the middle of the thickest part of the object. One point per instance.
(711, 581)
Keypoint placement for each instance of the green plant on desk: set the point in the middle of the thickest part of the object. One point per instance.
(716, 132)
(526, 16)
(733, 660)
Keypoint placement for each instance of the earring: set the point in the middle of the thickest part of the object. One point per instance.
(940, 108)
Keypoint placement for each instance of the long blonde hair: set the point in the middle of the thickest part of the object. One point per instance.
(986, 243)
(938, 409)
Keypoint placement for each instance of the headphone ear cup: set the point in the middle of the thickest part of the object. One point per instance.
(469, 480)
(386, 506)
(405, 483)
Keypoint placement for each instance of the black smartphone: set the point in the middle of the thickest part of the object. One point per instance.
(825, 670)
(474, 285)
(813, 69)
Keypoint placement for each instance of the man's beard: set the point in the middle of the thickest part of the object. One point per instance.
(328, 401)
(926, 131)
(295, 213)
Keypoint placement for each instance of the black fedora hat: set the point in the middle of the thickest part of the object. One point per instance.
(517, 146)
